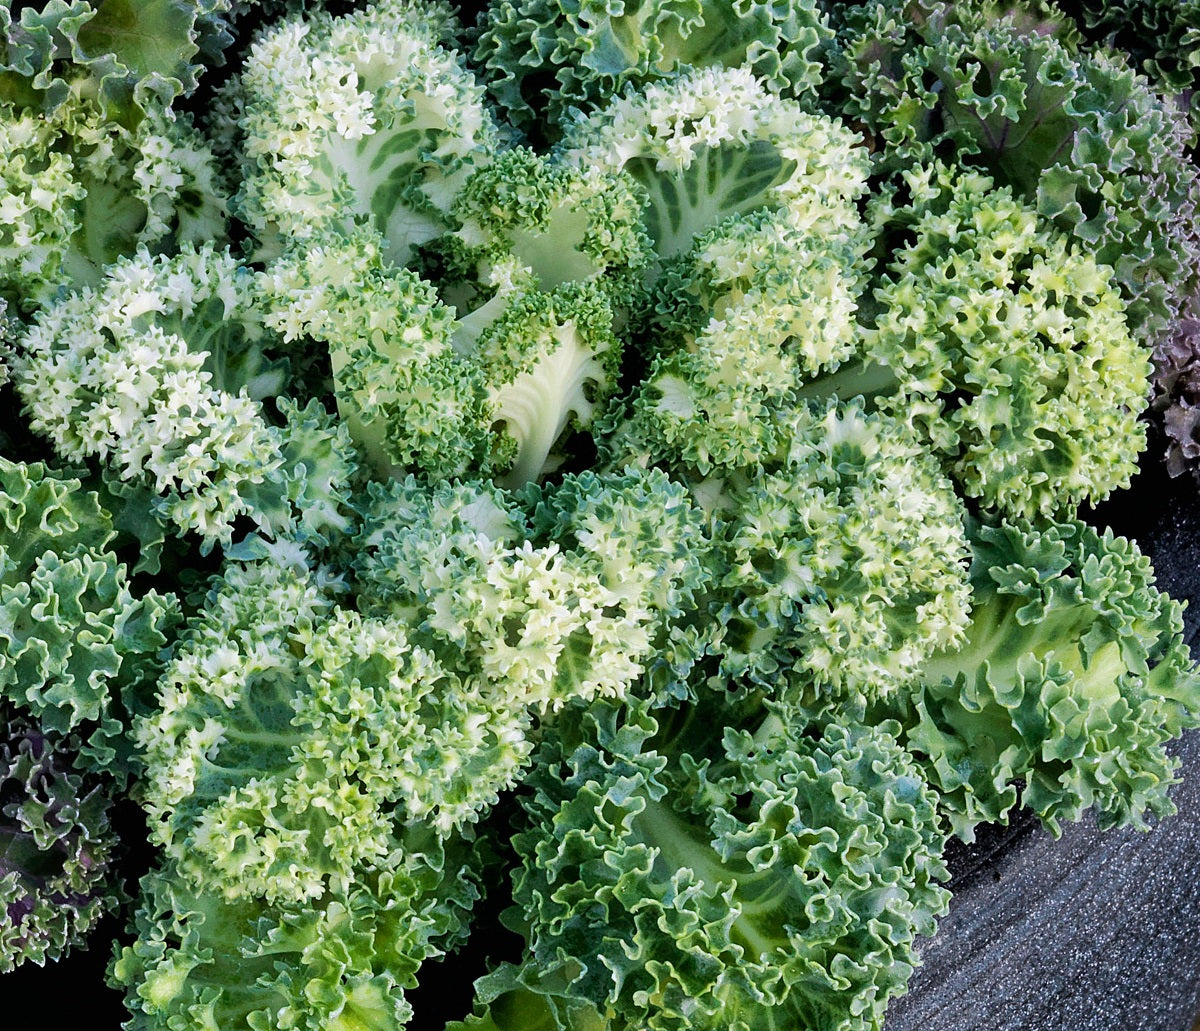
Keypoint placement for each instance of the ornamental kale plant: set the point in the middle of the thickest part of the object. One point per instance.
(604, 492)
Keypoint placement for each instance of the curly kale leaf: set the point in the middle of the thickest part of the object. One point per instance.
(1074, 131)
(1072, 678)
(57, 846)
